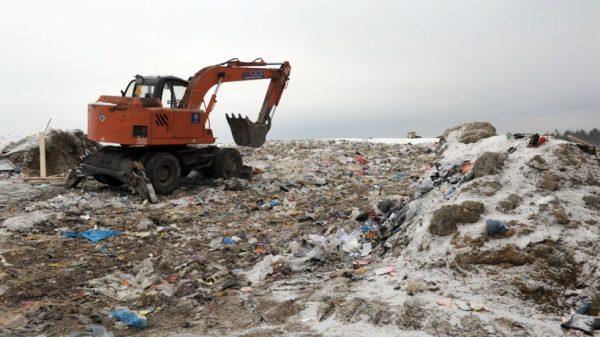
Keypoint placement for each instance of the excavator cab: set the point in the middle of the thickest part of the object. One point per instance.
(169, 89)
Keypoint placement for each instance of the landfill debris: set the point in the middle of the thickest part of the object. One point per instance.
(130, 318)
(386, 270)
(92, 330)
(26, 221)
(494, 227)
(307, 239)
(3, 261)
(93, 235)
(537, 140)
(64, 150)
(6, 165)
(446, 302)
(584, 323)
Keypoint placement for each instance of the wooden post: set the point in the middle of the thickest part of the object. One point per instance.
(43, 154)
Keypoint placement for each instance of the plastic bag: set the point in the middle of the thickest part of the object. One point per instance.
(129, 318)
(584, 323)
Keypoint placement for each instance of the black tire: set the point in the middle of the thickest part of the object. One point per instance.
(163, 169)
(226, 164)
(108, 180)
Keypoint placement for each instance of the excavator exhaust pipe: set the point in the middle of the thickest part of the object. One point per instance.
(246, 132)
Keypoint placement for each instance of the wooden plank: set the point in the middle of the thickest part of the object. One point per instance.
(42, 154)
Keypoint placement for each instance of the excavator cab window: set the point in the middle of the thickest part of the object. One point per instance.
(178, 91)
(139, 88)
(143, 90)
(172, 93)
(167, 95)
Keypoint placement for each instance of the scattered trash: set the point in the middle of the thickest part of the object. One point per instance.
(206, 246)
(6, 165)
(93, 235)
(386, 270)
(268, 205)
(468, 177)
(494, 227)
(397, 176)
(537, 140)
(92, 330)
(466, 167)
(445, 302)
(584, 323)
(584, 308)
(25, 222)
(462, 305)
(360, 159)
(3, 261)
(130, 318)
(262, 269)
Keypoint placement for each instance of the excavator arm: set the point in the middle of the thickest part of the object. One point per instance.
(244, 131)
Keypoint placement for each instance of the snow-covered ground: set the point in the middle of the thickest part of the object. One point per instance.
(399, 141)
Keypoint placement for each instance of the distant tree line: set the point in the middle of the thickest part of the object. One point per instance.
(593, 136)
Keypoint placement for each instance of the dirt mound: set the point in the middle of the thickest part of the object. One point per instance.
(471, 132)
(446, 218)
(489, 163)
(64, 150)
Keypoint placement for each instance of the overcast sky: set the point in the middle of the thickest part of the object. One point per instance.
(359, 68)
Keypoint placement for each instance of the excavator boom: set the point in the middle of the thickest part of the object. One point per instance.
(245, 132)
(171, 111)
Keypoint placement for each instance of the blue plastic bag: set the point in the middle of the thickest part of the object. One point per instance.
(129, 318)
(94, 235)
(494, 227)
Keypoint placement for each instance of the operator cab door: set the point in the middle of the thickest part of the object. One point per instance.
(162, 126)
(172, 93)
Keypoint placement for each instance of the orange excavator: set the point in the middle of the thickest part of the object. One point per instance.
(160, 122)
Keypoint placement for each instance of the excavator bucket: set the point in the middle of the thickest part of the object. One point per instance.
(246, 132)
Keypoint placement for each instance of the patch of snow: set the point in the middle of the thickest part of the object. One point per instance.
(398, 141)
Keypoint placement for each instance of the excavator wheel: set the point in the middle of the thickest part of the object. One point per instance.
(163, 169)
(107, 180)
(227, 164)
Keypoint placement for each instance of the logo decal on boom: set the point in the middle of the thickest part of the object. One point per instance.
(253, 75)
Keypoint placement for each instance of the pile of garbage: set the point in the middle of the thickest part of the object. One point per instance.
(312, 208)
(476, 235)
(64, 150)
(499, 224)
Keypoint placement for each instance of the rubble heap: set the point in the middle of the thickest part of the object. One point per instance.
(64, 150)
(506, 247)
(479, 235)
